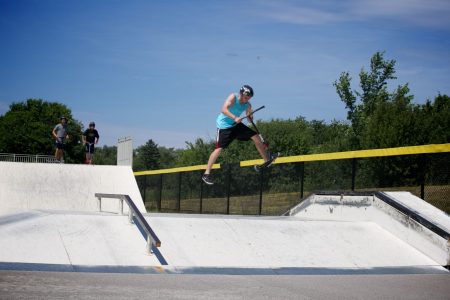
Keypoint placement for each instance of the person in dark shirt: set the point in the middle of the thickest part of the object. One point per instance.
(90, 138)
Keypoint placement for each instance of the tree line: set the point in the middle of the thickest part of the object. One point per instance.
(376, 118)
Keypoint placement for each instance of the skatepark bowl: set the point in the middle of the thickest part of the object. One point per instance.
(83, 231)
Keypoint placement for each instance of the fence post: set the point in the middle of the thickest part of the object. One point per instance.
(228, 187)
(158, 201)
(145, 187)
(422, 171)
(353, 173)
(261, 178)
(201, 195)
(179, 192)
(301, 174)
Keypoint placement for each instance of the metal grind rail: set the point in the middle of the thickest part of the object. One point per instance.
(152, 239)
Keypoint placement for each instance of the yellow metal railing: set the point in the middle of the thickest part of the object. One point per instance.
(175, 170)
(410, 150)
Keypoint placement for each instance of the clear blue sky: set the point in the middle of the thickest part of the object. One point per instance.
(161, 69)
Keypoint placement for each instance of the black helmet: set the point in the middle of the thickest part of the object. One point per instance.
(92, 124)
(246, 90)
(62, 117)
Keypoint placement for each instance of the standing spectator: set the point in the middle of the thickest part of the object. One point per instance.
(60, 135)
(90, 138)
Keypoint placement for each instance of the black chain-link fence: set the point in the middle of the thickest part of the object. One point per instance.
(242, 190)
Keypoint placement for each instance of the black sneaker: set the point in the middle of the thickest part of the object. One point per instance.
(272, 157)
(207, 178)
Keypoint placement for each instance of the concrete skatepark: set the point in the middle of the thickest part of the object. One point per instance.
(51, 227)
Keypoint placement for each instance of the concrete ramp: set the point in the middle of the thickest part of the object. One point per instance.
(49, 219)
(283, 244)
(405, 216)
(204, 244)
(26, 186)
(379, 233)
(67, 241)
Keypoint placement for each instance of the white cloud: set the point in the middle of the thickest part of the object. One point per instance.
(430, 13)
(433, 13)
(300, 15)
(286, 11)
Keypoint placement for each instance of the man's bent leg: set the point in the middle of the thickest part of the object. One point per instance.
(260, 147)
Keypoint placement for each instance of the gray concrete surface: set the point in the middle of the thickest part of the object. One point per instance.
(69, 285)
(76, 252)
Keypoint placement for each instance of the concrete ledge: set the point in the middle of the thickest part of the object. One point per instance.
(410, 270)
(28, 186)
(424, 231)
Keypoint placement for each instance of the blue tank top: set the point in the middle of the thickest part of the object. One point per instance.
(224, 122)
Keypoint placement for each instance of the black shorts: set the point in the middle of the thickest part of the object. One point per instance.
(239, 132)
(60, 144)
(89, 148)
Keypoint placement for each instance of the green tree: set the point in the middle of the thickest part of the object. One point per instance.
(333, 137)
(106, 155)
(362, 105)
(168, 157)
(147, 157)
(196, 153)
(382, 119)
(26, 128)
(392, 124)
(435, 121)
(290, 137)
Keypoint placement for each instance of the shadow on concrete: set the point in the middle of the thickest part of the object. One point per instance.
(155, 250)
(19, 217)
(406, 270)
